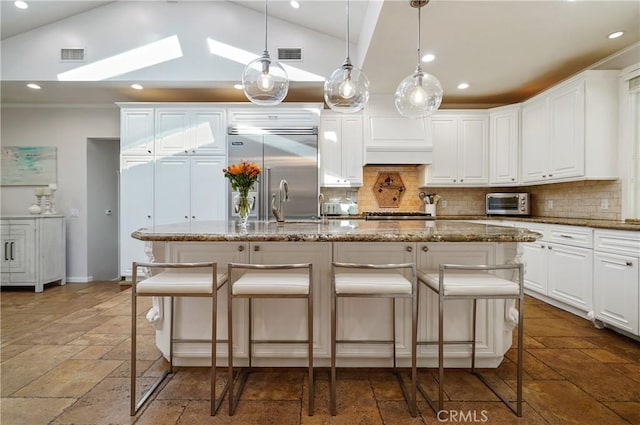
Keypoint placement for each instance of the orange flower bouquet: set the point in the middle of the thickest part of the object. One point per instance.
(242, 177)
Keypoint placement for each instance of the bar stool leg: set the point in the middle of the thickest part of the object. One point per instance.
(441, 354)
(231, 378)
(520, 352)
(473, 340)
(310, 349)
(134, 312)
(332, 384)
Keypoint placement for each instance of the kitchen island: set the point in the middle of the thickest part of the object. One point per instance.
(425, 242)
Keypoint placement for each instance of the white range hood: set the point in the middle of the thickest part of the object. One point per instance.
(391, 138)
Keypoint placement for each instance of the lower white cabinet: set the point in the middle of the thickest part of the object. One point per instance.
(560, 271)
(616, 279)
(33, 250)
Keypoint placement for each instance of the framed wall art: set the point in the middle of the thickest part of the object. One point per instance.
(28, 165)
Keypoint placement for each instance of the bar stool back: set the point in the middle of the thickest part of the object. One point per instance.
(177, 280)
(375, 281)
(473, 282)
(268, 281)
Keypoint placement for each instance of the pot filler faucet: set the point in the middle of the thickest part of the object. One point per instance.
(284, 197)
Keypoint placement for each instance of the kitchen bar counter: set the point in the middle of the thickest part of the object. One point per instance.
(633, 225)
(337, 231)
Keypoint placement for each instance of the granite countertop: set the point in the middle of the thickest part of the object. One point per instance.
(338, 231)
(586, 222)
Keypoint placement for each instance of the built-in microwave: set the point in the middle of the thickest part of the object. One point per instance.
(508, 204)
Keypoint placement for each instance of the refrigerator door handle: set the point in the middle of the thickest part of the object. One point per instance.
(265, 194)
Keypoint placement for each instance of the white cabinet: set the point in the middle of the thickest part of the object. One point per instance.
(504, 145)
(617, 278)
(559, 265)
(189, 189)
(33, 250)
(460, 149)
(136, 207)
(570, 131)
(136, 131)
(341, 149)
(190, 131)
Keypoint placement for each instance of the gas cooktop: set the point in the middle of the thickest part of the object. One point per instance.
(398, 215)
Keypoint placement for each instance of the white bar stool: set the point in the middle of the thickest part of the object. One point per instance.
(350, 280)
(268, 281)
(176, 281)
(464, 282)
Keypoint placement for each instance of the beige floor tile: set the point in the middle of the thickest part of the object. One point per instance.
(191, 383)
(397, 413)
(23, 368)
(274, 385)
(71, 378)
(162, 412)
(32, 411)
(99, 339)
(12, 350)
(94, 352)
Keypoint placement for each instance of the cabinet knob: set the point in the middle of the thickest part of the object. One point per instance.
(550, 247)
(193, 151)
(409, 249)
(186, 151)
(550, 175)
(241, 248)
(544, 176)
(149, 150)
(425, 248)
(461, 180)
(148, 216)
(193, 216)
(454, 180)
(629, 263)
(512, 179)
(256, 248)
(542, 246)
(186, 216)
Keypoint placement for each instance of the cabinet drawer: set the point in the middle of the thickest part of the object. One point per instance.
(570, 235)
(618, 242)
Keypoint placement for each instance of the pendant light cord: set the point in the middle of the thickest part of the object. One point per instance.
(348, 59)
(265, 26)
(419, 32)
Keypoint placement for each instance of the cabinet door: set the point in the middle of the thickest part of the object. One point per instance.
(445, 150)
(172, 132)
(19, 253)
(352, 141)
(503, 146)
(566, 131)
(207, 134)
(535, 140)
(473, 150)
(172, 199)
(136, 207)
(615, 290)
(368, 318)
(286, 319)
(208, 189)
(136, 134)
(331, 151)
(571, 275)
(534, 255)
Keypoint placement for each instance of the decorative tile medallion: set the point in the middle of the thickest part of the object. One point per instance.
(388, 190)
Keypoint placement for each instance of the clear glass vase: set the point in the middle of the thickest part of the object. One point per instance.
(243, 204)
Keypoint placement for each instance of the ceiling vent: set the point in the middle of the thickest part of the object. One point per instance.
(72, 54)
(289, 54)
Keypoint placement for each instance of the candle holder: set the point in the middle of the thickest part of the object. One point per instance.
(39, 198)
(47, 204)
(52, 200)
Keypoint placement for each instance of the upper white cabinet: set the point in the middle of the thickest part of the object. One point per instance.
(190, 131)
(136, 131)
(341, 138)
(460, 148)
(391, 138)
(570, 131)
(504, 145)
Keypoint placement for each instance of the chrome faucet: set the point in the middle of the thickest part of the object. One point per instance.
(321, 206)
(284, 197)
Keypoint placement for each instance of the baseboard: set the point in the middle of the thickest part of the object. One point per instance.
(79, 279)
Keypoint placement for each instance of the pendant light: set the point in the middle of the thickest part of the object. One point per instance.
(420, 94)
(265, 81)
(347, 89)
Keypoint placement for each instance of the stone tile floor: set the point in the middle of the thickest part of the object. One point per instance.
(64, 360)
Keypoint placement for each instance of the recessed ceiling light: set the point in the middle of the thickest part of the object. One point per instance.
(34, 86)
(428, 57)
(463, 86)
(20, 4)
(136, 86)
(237, 86)
(616, 34)
(294, 4)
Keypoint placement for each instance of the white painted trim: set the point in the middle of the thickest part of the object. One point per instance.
(79, 279)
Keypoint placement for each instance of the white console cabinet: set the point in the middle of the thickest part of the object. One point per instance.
(33, 250)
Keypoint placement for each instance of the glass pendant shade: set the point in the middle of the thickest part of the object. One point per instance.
(418, 95)
(347, 89)
(264, 81)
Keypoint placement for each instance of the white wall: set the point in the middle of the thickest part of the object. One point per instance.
(103, 163)
(68, 129)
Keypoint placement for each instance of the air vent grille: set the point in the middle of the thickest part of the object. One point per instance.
(634, 84)
(72, 54)
(289, 53)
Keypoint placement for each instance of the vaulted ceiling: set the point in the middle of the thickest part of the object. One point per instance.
(505, 50)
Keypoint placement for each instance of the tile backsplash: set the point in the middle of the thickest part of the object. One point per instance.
(582, 199)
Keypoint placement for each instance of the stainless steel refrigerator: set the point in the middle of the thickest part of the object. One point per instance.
(289, 153)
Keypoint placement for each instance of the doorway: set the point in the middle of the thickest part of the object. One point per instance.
(103, 164)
